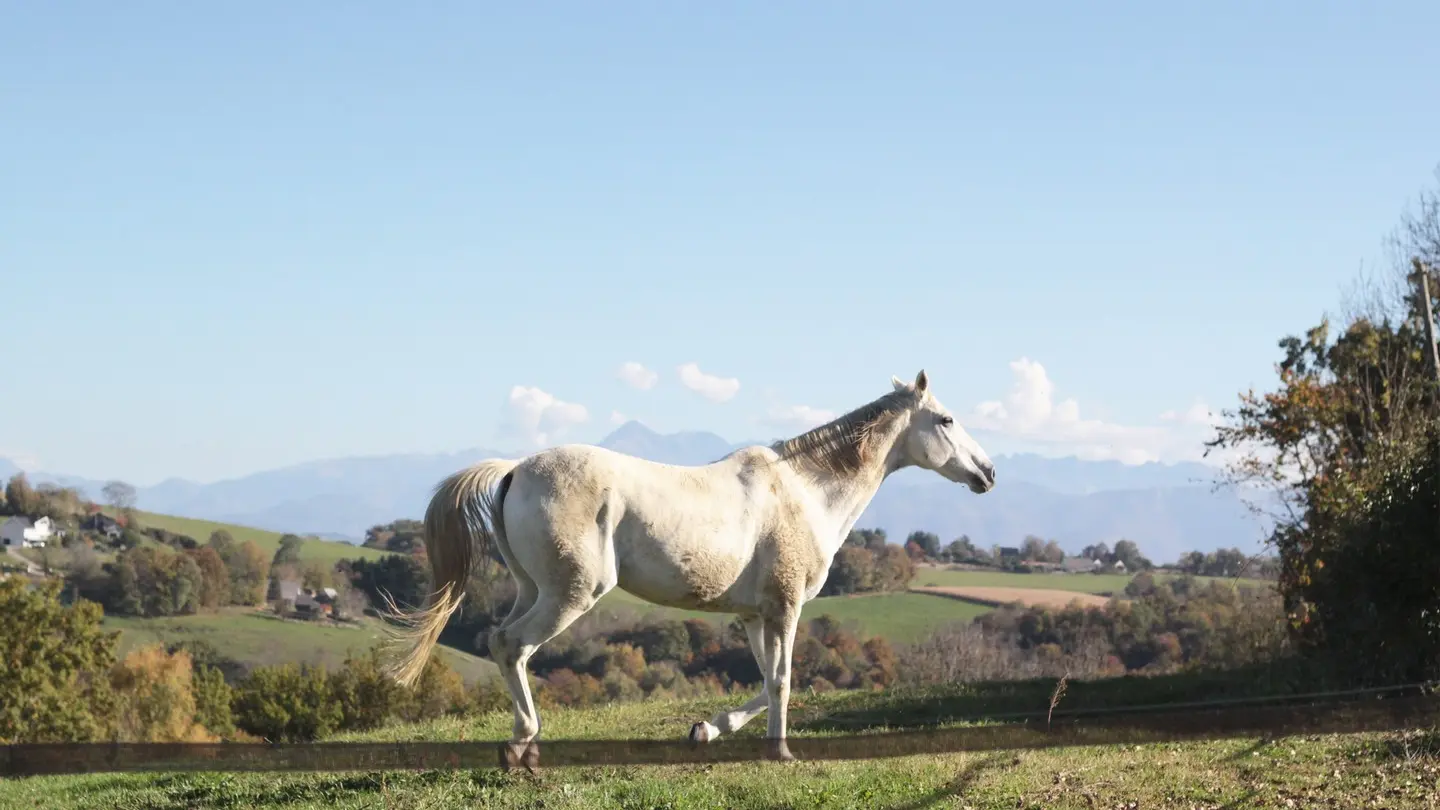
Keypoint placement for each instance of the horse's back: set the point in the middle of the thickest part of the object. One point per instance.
(676, 535)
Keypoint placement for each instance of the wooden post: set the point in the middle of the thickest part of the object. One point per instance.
(1423, 282)
(1422, 277)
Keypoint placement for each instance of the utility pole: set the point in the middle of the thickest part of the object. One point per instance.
(1422, 279)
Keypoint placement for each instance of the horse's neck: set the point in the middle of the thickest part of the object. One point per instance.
(847, 496)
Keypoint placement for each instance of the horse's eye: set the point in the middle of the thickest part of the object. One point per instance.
(947, 421)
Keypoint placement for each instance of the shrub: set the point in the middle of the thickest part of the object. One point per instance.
(287, 704)
(213, 697)
(440, 691)
(367, 698)
(156, 702)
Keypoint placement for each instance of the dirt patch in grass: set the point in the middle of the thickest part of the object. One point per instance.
(1027, 596)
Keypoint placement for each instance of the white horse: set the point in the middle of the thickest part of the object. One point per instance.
(751, 534)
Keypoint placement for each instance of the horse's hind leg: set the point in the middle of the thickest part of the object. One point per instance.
(726, 722)
(525, 588)
(566, 585)
(546, 619)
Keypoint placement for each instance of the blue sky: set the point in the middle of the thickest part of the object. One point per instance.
(240, 235)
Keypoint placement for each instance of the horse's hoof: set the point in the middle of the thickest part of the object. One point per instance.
(780, 751)
(515, 755)
(702, 732)
(509, 756)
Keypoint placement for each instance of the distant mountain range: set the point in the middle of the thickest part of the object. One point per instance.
(1167, 509)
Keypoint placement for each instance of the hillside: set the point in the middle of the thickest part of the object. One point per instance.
(254, 639)
(317, 550)
(1166, 509)
(899, 617)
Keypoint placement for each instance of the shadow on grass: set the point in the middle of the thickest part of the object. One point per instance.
(955, 788)
(1402, 746)
(935, 706)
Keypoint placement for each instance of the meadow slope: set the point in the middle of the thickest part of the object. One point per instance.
(322, 551)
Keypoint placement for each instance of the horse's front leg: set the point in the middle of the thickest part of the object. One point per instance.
(726, 722)
(778, 638)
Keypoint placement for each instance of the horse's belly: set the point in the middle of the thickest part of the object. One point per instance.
(684, 574)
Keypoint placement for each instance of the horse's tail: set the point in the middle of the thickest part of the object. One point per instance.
(462, 521)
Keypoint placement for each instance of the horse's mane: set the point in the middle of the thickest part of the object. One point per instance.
(845, 444)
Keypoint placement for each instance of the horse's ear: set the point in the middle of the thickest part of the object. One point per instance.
(895, 381)
(922, 382)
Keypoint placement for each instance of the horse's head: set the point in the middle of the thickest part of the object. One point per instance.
(935, 441)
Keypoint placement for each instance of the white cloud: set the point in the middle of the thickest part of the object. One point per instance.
(538, 417)
(637, 376)
(1030, 412)
(798, 418)
(1197, 414)
(25, 461)
(618, 418)
(713, 388)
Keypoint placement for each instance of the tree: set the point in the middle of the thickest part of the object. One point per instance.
(157, 701)
(853, 571)
(893, 569)
(152, 581)
(928, 543)
(215, 590)
(316, 575)
(961, 549)
(1128, 553)
(1348, 444)
(19, 497)
(52, 687)
(289, 550)
(223, 543)
(873, 539)
(1100, 552)
(1032, 549)
(1053, 553)
(119, 495)
(249, 574)
(405, 579)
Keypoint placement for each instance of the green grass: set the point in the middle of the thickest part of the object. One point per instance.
(1079, 583)
(256, 639)
(1340, 771)
(328, 552)
(898, 617)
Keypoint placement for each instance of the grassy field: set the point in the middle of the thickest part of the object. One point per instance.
(1082, 583)
(901, 617)
(256, 639)
(929, 576)
(323, 551)
(1341, 771)
(1030, 597)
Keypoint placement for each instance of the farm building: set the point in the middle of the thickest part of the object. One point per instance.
(21, 532)
(1080, 565)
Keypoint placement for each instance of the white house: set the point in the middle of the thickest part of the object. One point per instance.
(21, 532)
